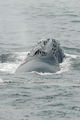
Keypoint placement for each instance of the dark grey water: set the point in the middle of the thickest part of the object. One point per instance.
(37, 96)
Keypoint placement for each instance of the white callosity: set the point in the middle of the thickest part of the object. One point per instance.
(48, 47)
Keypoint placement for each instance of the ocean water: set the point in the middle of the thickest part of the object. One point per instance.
(38, 96)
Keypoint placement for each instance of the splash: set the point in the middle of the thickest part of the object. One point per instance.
(66, 65)
(10, 67)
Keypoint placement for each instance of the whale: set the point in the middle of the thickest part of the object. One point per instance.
(46, 56)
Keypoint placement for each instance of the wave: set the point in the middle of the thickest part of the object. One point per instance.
(1, 81)
(66, 65)
(12, 61)
(20, 57)
(4, 81)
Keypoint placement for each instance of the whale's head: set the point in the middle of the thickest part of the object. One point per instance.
(49, 48)
(44, 57)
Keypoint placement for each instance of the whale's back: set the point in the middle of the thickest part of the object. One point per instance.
(39, 66)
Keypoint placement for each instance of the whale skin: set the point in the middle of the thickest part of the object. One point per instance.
(44, 57)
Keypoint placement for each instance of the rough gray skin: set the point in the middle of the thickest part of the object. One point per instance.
(45, 57)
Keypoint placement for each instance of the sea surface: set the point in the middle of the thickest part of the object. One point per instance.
(39, 96)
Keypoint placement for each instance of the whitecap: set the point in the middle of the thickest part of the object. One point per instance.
(1, 81)
(10, 67)
(72, 56)
(21, 58)
(66, 64)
